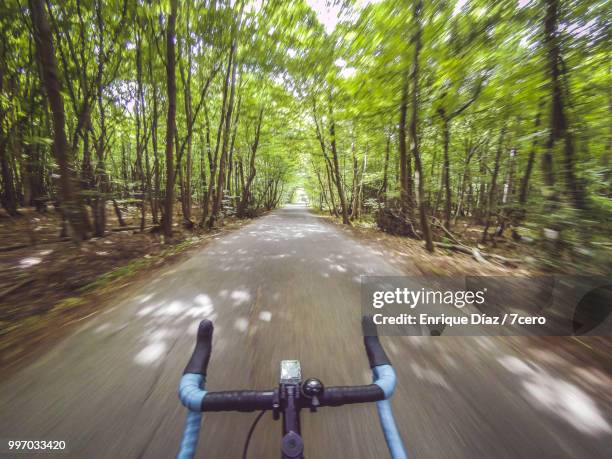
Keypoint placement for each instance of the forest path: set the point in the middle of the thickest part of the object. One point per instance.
(287, 286)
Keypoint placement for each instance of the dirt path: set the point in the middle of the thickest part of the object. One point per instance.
(287, 286)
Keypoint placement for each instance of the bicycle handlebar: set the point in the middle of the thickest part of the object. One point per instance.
(198, 362)
(345, 395)
(197, 399)
(238, 400)
(251, 400)
(375, 351)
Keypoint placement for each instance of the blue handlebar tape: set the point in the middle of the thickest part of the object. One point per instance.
(191, 391)
(384, 377)
(191, 433)
(191, 394)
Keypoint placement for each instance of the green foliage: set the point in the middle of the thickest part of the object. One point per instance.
(483, 65)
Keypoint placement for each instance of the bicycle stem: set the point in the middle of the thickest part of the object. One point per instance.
(292, 446)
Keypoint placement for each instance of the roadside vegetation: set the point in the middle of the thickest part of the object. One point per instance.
(474, 127)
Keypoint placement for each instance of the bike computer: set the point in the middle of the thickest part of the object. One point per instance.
(291, 372)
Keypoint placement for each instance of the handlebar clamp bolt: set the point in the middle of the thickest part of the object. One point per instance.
(292, 445)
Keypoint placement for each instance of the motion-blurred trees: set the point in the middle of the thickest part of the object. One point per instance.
(111, 71)
(423, 113)
(511, 104)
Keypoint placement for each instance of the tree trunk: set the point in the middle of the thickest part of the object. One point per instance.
(170, 120)
(422, 203)
(361, 178)
(524, 190)
(212, 160)
(382, 194)
(464, 181)
(323, 194)
(230, 168)
(101, 179)
(226, 134)
(186, 172)
(509, 181)
(246, 192)
(446, 169)
(354, 188)
(72, 204)
(559, 128)
(406, 197)
(156, 167)
(141, 132)
(330, 185)
(339, 185)
(493, 186)
(118, 213)
(9, 194)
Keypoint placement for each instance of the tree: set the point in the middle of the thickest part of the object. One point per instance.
(246, 189)
(171, 117)
(559, 126)
(406, 194)
(71, 202)
(446, 121)
(334, 152)
(414, 137)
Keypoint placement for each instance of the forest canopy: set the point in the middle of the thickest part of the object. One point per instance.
(424, 115)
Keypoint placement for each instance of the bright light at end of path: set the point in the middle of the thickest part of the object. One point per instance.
(300, 197)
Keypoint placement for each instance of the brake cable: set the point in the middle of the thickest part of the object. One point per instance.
(250, 434)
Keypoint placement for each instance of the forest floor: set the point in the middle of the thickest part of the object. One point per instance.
(507, 257)
(48, 285)
(410, 254)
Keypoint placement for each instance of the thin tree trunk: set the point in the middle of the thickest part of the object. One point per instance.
(464, 180)
(141, 132)
(339, 185)
(322, 186)
(8, 197)
(493, 186)
(354, 188)
(226, 134)
(101, 177)
(422, 203)
(524, 190)
(406, 198)
(230, 167)
(361, 179)
(446, 168)
(382, 194)
(9, 194)
(156, 167)
(170, 121)
(330, 185)
(118, 213)
(212, 160)
(246, 192)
